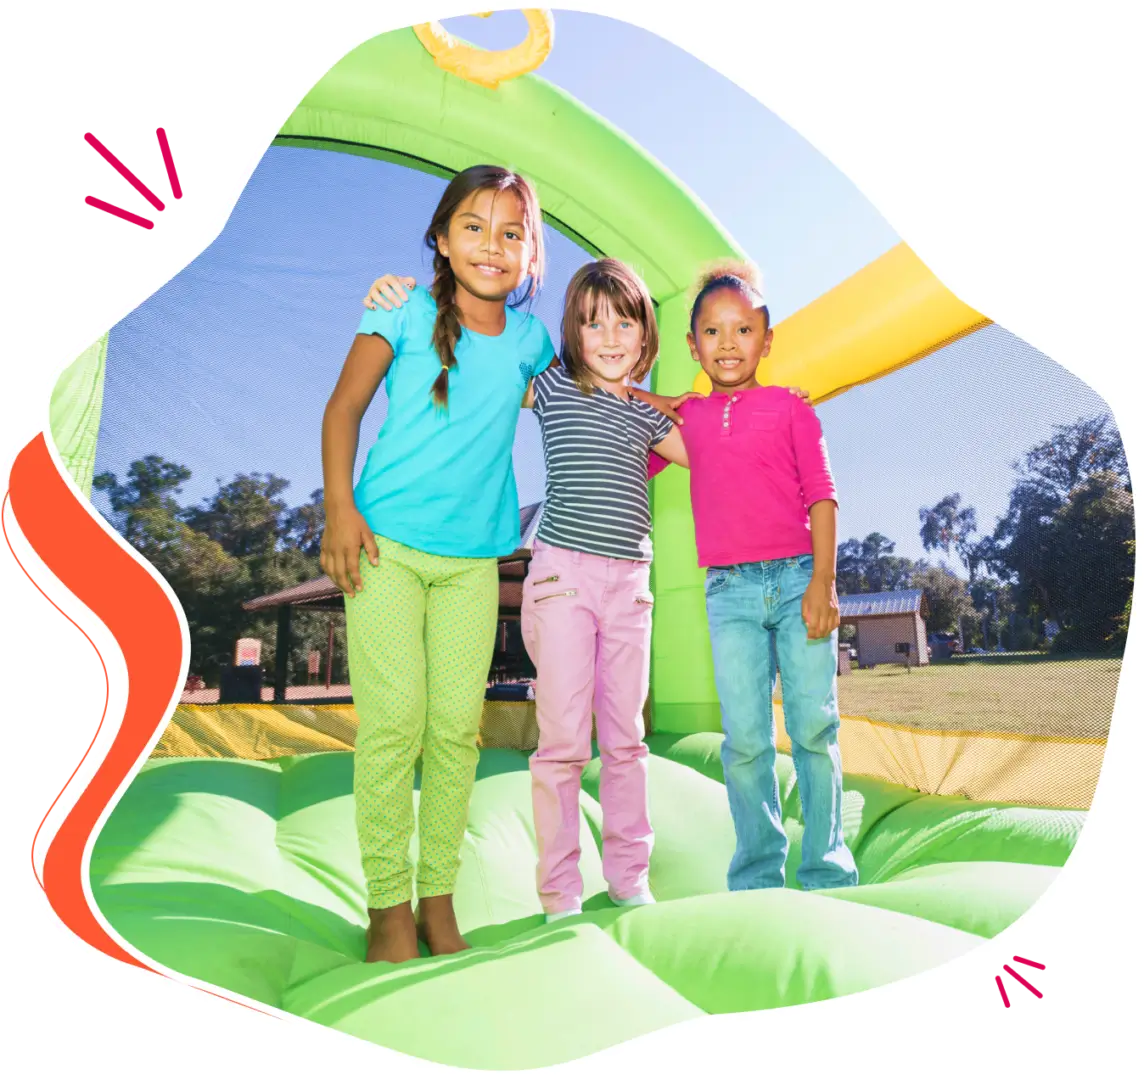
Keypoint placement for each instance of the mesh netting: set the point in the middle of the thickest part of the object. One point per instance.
(1019, 712)
(227, 369)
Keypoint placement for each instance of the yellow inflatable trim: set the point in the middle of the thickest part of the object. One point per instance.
(892, 312)
(490, 68)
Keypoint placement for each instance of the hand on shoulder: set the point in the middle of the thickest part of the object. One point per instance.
(389, 291)
(669, 406)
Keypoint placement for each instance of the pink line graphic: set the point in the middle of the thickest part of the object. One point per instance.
(1027, 985)
(197, 167)
(1030, 963)
(1001, 987)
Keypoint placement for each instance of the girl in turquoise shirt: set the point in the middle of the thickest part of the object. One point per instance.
(414, 546)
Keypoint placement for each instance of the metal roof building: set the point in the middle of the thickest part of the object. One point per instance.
(886, 621)
(901, 602)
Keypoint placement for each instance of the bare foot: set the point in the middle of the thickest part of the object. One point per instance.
(437, 926)
(392, 935)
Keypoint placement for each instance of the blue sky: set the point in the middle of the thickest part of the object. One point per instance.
(227, 368)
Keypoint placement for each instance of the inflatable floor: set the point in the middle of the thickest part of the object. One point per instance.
(246, 874)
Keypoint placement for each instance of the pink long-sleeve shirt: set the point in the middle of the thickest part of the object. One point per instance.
(758, 463)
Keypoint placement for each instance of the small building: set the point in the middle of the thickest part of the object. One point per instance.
(886, 622)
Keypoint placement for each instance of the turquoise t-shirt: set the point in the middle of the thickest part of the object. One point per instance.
(440, 480)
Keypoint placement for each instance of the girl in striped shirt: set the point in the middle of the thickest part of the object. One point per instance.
(586, 614)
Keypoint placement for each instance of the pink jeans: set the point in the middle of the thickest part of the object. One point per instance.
(586, 622)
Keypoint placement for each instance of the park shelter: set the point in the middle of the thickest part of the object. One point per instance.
(321, 594)
(245, 873)
(884, 621)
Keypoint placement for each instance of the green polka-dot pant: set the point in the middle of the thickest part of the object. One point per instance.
(421, 635)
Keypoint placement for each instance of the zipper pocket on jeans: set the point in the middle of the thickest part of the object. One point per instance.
(645, 600)
(552, 596)
(546, 580)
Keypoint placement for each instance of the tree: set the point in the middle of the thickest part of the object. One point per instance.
(147, 495)
(1119, 636)
(243, 541)
(849, 568)
(993, 601)
(890, 573)
(949, 527)
(949, 599)
(1092, 561)
(305, 524)
(870, 565)
(1023, 547)
(246, 516)
(1061, 542)
(211, 586)
(1074, 453)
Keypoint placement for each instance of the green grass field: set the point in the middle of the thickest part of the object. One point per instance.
(1026, 693)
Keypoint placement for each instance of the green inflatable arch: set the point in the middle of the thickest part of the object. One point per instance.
(388, 99)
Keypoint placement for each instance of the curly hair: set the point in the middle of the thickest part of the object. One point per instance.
(735, 274)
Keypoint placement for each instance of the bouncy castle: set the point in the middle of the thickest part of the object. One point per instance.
(240, 867)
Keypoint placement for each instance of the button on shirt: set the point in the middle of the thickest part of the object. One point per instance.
(758, 463)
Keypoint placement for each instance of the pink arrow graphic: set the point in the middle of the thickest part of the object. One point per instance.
(197, 167)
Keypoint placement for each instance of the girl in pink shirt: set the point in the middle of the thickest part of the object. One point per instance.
(765, 511)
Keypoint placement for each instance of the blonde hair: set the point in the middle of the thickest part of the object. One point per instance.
(611, 282)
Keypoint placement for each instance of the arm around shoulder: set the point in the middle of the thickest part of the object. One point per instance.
(672, 448)
(529, 400)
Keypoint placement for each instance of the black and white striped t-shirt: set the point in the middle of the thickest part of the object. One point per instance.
(596, 453)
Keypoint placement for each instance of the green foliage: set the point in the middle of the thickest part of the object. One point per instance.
(949, 598)
(1092, 570)
(245, 517)
(1119, 636)
(1062, 551)
(242, 542)
(870, 565)
(950, 527)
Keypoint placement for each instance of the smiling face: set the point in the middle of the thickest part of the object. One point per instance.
(731, 336)
(610, 344)
(608, 331)
(488, 244)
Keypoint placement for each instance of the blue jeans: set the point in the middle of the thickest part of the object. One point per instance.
(754, 611)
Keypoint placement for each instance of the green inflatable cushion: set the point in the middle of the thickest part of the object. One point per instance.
(246, 875)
